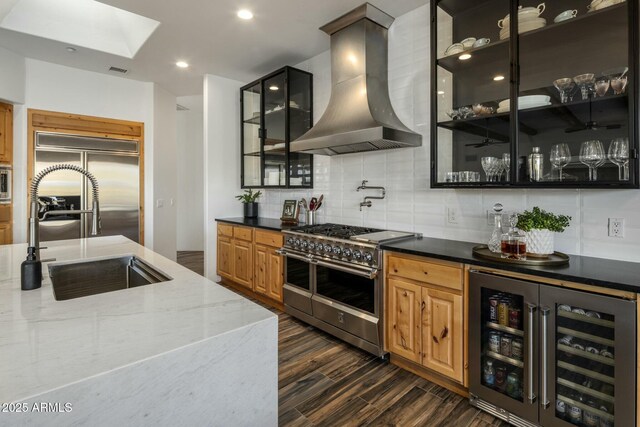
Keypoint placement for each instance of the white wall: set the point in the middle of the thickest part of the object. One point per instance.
(190, 214)
(12, 77)
(221, 154)
(410, 204)
(165, 172)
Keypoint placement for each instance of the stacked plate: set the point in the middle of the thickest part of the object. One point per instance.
(601, 4)
(524, 26)
(528, 20)
(525, 102)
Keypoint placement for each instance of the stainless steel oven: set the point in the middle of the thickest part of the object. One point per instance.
(5, 184)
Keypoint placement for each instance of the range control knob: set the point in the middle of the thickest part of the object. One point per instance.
(357, 254)
(327, 248)
(337, 250)
(290, 240)
(346, 252)
(312, 246)
(305, 244)
(368, 256)
(297, 242)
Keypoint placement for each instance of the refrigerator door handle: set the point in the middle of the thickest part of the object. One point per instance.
(531, 397)
(545, 362)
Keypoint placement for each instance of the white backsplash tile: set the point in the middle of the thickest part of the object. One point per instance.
(410, 204)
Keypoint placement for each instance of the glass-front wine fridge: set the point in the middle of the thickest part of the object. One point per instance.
(541, 355)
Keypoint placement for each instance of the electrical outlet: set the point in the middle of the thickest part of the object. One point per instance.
(452, 215)
(616, 227)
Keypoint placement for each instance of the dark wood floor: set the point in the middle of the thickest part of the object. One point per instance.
(325, 382)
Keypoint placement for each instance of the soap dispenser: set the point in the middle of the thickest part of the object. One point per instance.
(496, 235)
(31, 271)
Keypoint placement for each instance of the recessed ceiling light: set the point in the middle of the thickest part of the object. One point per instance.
(245, 14)
(71, 49)
(498, 78)
(182, 64)
(440, 92)
(273, 87)
(464, 56)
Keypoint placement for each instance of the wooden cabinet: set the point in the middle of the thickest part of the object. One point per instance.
(404, 319)
(425, 313)
(243, 263)
(6, 133)
(247, 257)
(5, 234)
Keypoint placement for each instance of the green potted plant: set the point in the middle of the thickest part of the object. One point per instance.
(248, 199)
(539, 227)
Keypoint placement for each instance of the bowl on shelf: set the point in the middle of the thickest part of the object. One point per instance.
(468, 42)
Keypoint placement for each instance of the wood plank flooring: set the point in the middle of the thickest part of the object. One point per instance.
(326, 382)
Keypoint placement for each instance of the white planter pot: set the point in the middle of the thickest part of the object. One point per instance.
(540, 242)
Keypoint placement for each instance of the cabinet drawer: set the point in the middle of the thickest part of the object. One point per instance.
(268, 238)
(243, 233)
(423, 271)
(225, 230)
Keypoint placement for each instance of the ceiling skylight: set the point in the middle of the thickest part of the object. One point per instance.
(85, 23)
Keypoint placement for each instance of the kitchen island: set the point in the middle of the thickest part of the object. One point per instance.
(182, 352)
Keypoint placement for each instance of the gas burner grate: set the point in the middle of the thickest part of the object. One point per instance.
(335, 230)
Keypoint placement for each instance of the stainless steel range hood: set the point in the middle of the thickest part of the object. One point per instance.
(359, 116)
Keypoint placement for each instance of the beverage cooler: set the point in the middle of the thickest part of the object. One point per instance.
(549, 356)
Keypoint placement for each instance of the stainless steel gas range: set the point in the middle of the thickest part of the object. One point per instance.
(333, 280)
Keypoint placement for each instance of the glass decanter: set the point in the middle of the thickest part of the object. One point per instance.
(496, 235)
(514, 244)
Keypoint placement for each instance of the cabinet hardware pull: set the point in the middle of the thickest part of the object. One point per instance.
(545, 316)
(405, 293)
(444, 333)
(435, 339)
(404, 343)
(422, 306)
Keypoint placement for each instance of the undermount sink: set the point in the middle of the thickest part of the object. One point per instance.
(83, 278)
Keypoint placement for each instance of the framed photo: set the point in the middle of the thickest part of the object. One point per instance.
(290, 211)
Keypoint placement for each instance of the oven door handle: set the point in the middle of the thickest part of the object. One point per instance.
(294, 256)
(371, 274)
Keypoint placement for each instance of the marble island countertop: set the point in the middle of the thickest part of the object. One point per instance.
(46, 344)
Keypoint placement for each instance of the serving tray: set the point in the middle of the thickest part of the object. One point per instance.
(556, 258)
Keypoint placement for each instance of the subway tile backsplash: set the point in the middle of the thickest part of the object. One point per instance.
(410, 204)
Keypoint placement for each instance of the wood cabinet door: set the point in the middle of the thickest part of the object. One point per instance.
(6, 133)
(5, 234)
(261, 271)
(225, 258)
(442, 333)
(275, 277)
(403, 319)
(243, 263)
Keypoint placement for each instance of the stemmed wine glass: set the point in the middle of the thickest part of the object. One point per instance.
(592, 154)
(565, 86)
(560, 156)
(585, 82)
(619, 155)
(506, 165)
(489, 165)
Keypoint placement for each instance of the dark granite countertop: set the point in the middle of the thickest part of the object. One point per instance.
(602, 272)
(265, 223)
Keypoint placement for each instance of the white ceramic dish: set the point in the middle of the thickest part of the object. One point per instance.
(522, 107)
(534, 98)
(524, 27)
(468, 42)
(566, 15)
(481, 42)
(453, 49)
(524, 14)
(601, 4)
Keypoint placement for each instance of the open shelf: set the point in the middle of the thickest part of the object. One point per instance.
(586, 372)
(586, 355)
(585, 318)
(501, 328)
(586, 408)
(505, 359)
(586, 390)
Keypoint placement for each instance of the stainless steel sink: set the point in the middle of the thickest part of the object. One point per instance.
(84, 278)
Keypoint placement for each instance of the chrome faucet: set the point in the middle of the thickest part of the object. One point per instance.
(34, 231)
(367, 199)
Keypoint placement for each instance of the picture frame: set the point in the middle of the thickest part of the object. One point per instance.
(290, 211)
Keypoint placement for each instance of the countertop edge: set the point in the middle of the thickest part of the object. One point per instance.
(262, 223)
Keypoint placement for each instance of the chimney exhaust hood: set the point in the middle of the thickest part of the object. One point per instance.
(359, 116)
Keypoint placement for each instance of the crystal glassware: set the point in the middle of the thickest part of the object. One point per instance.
(506, 165)
(513, 244)
(592, 154)
(560, 156)
(619, 155)
(489, 166)
(496, 236)
(619, 85)
(602, 86)
(565, 86)
(585, 83)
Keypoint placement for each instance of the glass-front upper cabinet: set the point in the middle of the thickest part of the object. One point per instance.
(544, 100)
(277, 109)
(472, 136)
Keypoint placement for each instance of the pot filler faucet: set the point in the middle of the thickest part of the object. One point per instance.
(31, 270)
(367, 200)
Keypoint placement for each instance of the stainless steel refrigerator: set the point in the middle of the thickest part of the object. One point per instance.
(551, 356)
(116, 165)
